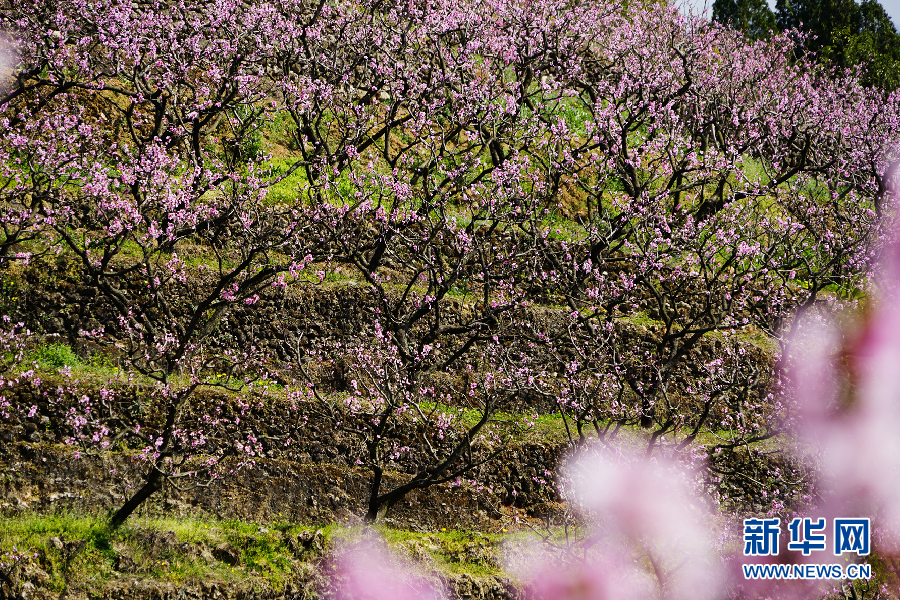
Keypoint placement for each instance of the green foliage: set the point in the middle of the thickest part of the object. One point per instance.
(753, 17)
(876, 46)
(280, 130)
(456, 550)
(841, 33)
(250, 141)
(55, 356)
(845, 34)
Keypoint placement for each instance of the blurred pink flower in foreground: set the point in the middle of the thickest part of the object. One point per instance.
(6, 62)
(602, 576)
(648, 538)
(848, 394)
(367, 570)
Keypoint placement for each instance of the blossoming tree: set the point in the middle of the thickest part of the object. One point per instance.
(714, 186)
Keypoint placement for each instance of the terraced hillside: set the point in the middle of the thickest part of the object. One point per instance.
(271, 269)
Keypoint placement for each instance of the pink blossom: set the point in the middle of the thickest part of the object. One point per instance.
(642, 507)
(849, 410)
(366, 570)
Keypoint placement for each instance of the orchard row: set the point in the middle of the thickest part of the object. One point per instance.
(464, 163)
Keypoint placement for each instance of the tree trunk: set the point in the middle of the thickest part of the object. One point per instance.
(154, 483)
(646, 414)
(374, 504)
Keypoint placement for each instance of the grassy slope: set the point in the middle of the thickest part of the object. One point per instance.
(78, 552)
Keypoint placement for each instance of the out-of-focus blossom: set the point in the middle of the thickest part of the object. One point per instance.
(648, 538)
(6, 63)
(848, 395)
(605, 575)
(367, 570)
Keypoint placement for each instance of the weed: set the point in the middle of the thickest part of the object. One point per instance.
(55, 356)
(280, 129)
(289, 190)
(455, 550)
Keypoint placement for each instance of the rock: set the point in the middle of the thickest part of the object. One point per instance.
(227, 553)
(36, 575)
(419, 551)
(308, 541)
(463, 586)
(55, 496)
(28, 590)
(125, 564)
(74, 547)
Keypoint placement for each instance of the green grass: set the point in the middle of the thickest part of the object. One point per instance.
(80, 552)
(516, 426)
(754, 170)
(641, 319)
(760, 340)
(563, 229)
(289, 190)
(278, 130)
(50, 358)
(54, 356)
(166, 549)
(454, 551)
(33, 535)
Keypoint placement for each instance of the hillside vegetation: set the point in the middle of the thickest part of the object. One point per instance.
(306, 265)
